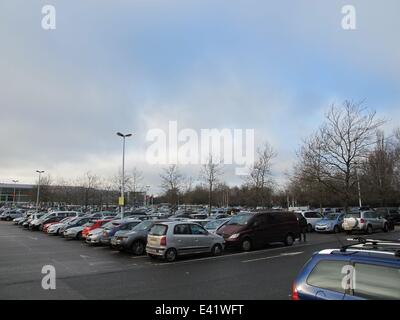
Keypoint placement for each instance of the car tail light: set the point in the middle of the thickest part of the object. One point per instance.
(163, 241)
(295, 294)
(362, 221)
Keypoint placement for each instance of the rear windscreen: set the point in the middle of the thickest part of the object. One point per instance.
(158, 230)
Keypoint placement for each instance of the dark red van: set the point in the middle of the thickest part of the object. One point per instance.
(250, 230)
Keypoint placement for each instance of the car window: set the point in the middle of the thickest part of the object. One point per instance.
(196, 229)
(327, 275)
(182, 229)
(377, 282)
(158, 230)
(311, 215)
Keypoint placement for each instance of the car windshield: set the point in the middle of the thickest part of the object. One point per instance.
(353, 215)
(241, 220)
(331, 216)
(143, 226)
(110, 225)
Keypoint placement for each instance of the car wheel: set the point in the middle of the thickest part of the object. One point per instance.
(8, 219)
(216, 250)
(385, 227)
(138, 248)
(369, 229)
(336, 229)
(309, 228)
(349, 232)
(289, 239)
(246, 244)
(170, 255)
(79, 235)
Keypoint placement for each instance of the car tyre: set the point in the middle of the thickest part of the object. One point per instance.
(385, 227)
(289, 240)
(336, 229)
(216, 250)
(170, 255)
(369, 229)
(309, 228)
(79, 235)
(246, 244)
(138, 248)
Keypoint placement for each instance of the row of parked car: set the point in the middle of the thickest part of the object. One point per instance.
(367, 221)
(167, 237)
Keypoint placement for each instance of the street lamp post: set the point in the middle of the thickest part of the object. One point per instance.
(122, 201)
(38, 189)
(358, 186)
(145, 195)
(15, 183)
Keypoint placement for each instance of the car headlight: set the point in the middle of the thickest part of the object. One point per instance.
(234, 236)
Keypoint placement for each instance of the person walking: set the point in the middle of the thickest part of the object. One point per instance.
(303, 227)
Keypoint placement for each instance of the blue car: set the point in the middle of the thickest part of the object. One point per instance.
(369, 269)
(332, 222)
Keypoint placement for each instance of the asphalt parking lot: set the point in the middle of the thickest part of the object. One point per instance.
(85, 272)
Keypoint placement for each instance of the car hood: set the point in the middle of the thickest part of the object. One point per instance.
(229, 229)
(96, 231)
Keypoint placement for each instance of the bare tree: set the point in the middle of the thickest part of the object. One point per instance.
(171, 183)
(135, 183)
(260, 179)
(89, 183)
(334, 153)
(210, 174)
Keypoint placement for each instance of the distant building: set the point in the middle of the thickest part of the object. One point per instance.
(23, 193)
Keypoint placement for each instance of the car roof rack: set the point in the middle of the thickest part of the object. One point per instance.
(386, 245)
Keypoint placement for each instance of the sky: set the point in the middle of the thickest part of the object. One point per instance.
(132, 66)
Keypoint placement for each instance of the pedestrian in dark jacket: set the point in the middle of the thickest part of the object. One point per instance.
(303, 227)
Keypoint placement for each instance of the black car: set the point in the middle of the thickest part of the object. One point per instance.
(392, 215)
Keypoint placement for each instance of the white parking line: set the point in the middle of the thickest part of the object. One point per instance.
(230, 255)
(273, 257)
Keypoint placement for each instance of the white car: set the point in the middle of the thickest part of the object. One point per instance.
(94, 236)
(312, 217)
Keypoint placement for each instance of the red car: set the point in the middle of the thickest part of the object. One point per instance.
(95, 225)
(47, 225)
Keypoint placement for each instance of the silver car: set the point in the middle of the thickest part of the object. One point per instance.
(365, 221)
(171, 239)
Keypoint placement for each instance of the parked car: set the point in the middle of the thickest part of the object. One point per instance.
(55, 225)
(96, 224)
(364, 221)
(77, 222)
(33, 217)
(213, 225)
(175, 238)
(328, 275)
(75, 232)
(312, 218)
(392, 215)
(10, 215)
(250, 230)
(113, 227)
(332, 222)
(135, 239)
(37, 224)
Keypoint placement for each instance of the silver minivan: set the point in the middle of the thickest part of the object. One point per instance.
(171, 239)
